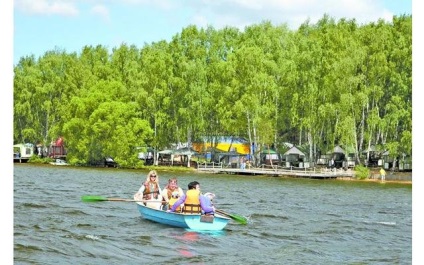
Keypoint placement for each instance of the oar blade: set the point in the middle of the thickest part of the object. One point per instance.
(238, 218)
(93, 198)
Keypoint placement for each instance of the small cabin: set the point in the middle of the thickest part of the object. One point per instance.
(403, 163)
(270, 157)
(294, 157)
(350, 157)
(372, 156)
(231, 159)
(176, 157)
(22, 152)
(338, 155)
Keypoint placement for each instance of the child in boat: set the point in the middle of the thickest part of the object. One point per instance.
(150, 191)
(207, 203)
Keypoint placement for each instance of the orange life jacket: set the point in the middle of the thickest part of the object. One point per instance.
(151, 188)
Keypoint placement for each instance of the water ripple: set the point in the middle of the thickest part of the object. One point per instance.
(309, 222)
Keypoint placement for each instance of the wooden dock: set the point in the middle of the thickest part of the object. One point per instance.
(316, 173)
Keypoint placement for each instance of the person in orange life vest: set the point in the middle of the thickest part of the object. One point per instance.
(193, 201)
(150, 191)
(168, 192)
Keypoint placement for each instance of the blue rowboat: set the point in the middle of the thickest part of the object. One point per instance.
(191, 221)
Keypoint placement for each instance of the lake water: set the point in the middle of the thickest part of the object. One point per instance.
(291, 221)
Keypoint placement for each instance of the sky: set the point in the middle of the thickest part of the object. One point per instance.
(33, 27)
(69, 25)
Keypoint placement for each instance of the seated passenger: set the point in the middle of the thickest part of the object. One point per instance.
(150, 191)
(207, 204)
(170, 188)
(193, 201)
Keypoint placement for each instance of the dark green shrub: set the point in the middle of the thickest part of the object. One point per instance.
(362, 172)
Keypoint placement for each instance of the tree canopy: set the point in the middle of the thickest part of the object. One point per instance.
(324, 84)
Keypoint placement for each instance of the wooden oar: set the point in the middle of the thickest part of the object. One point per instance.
(96, 198)
(235, 217)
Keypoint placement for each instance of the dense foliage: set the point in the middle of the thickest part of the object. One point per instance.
(329, 83)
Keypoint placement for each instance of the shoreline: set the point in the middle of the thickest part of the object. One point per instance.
(395, 177)
(394, 181)
(391, 177)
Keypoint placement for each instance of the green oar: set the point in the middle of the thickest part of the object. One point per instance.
(96, 198)
(235, 217)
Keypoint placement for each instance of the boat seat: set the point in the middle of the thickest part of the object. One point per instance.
(192, 208)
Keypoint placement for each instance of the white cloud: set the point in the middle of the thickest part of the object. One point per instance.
(239, 13)
(162, 4)
(250, 4)
(47, 7)
(200, 20)
(101, 11)
(220, 13)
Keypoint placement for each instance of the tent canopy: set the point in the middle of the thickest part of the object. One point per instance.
(181, 151)
(294, 150)
(166, 152)
(268, 151)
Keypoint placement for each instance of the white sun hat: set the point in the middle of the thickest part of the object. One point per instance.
(210, 195)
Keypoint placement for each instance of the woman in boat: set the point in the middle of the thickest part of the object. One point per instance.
(172, 192)
(194, 202)
(150, 191)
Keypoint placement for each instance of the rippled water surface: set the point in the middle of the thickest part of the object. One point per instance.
(291, 221)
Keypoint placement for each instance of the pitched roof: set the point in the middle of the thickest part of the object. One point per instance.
(372, 148)
(338, 149)
(268, 151)
(181, 151)
(166, 152)
(294, 150)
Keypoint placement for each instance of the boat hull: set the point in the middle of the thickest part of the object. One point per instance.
(190, 221)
